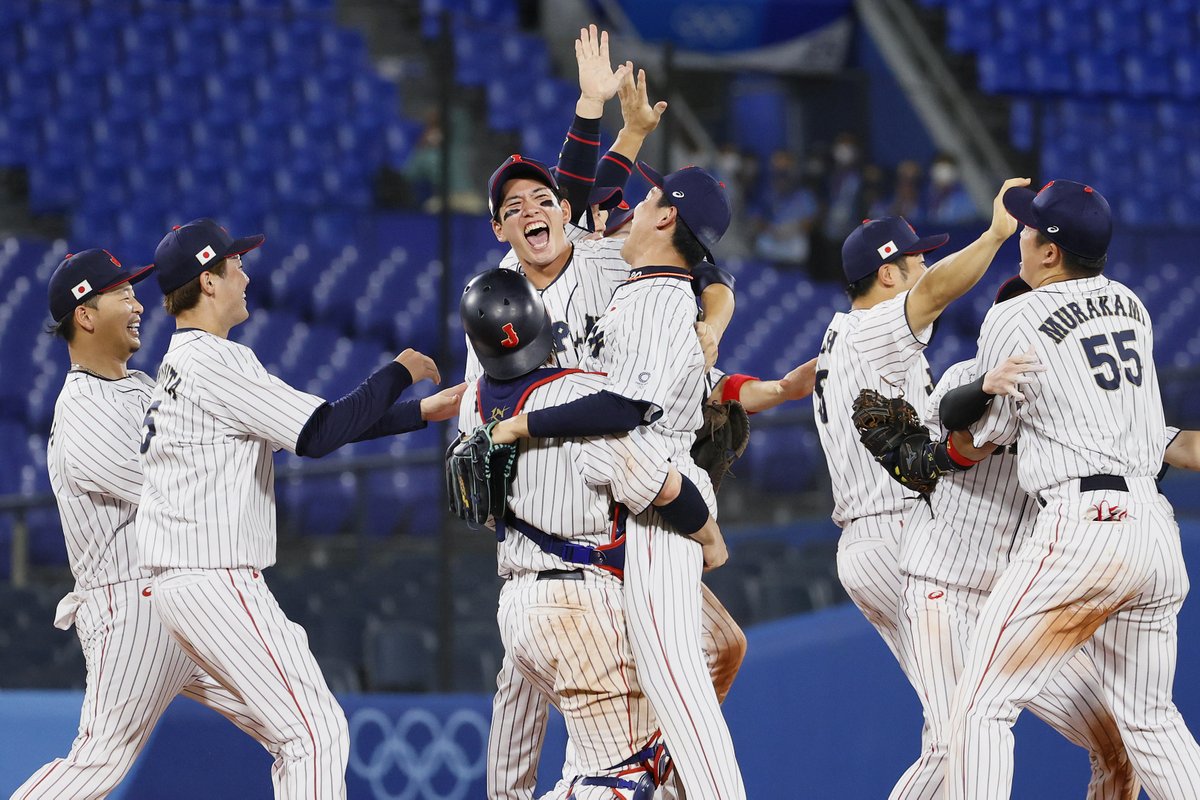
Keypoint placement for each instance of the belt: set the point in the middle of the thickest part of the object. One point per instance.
(609, 556)
(1101, 483)
(560, 575)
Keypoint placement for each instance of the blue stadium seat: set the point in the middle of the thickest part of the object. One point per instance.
(1049, 71)
(970, 25)
(1002, 70)
(1148, 75)
(1098, 74)
(1187, 75)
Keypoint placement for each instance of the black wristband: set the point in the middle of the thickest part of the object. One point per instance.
(688, 512)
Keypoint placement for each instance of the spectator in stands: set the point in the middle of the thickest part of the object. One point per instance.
(782, 224)
(844, 188)
(906, 194)
(874, 190)
(947, 201)
(423, 170)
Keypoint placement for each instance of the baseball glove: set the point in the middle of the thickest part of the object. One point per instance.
(479, 474)
(722, 439)
(890, 430)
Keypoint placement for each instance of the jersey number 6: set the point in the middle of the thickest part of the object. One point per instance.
(148, 424)
(1106, 370)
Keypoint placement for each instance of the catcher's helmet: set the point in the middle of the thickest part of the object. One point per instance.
(507, 323)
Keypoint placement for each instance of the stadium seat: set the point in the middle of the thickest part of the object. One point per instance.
(399, 656)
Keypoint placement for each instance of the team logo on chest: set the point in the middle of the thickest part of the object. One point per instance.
(498, 414)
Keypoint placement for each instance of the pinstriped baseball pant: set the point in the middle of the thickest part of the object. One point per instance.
(1117, 585)
(134, 671)
(229, 623)
(937, 621)
(663, 604)
(519, 711)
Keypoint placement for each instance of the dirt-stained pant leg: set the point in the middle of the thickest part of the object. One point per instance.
(1119, 581)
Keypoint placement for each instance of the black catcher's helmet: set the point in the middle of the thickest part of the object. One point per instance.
(506, 322)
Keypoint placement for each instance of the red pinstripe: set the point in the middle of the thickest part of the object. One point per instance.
(578, 138)
(287, 684)
(616, 630)
(670, 672)
(583, 178)
(618, 162)
(1011, 613)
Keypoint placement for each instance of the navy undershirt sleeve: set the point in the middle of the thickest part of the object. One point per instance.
(688, 512)
(614, 170)
(964, 406)
(705, 274)
(599, 414)
(400, 418)
(577, 164)
(347, 419)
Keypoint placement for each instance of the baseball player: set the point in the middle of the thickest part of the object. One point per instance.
(206, 526)
(879, 344)
(576, 278)
(953, 550)
(655, 369)
(134, 668)
(1102, 566)
(562, 616)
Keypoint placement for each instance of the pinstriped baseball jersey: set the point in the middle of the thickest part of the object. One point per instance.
(870, 348)
(1097, 409)
(978, 515)
(576, 298)
(95, 473)
(215, 418)
(579, 506)
(646, 344)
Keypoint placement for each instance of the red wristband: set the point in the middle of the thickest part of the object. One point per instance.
(956, 456)
(733, 387)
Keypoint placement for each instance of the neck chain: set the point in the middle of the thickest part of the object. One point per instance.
(93, 373)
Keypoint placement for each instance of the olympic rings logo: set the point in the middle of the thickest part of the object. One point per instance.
(418, 757)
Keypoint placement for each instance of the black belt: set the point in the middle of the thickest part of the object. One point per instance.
(560, 575)
(1101, 483)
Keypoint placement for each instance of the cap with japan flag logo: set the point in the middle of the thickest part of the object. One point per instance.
(880, 241)
(188, 250)
(86, 274)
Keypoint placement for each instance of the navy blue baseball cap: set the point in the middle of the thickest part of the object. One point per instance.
(188, 250)
(1013, 287)
(1072, 215)
(700, 199)
(880, 241)
(612, 200)
(86, 274)
(517, 166)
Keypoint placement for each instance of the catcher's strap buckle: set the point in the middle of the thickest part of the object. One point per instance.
(610, 557)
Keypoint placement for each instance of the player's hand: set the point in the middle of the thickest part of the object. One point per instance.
(419, 365)
(443, 405)
(510, 430)
(640, 117)
(715, 552)
(1004, 224)
(598, 81)
(798, 384)
(1012, 373)
(708, 344)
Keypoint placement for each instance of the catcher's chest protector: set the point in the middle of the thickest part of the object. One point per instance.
(499, 400)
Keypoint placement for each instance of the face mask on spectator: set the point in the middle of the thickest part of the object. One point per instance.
(943, 174)
(844, 154)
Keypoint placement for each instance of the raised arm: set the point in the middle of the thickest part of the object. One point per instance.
(598, 82)
(953, 276)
